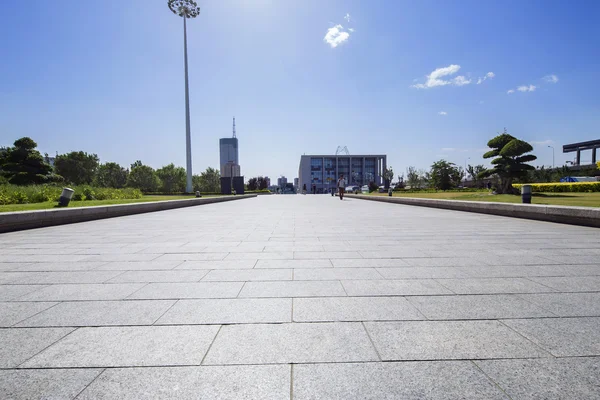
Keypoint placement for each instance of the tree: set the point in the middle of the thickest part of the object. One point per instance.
(262, 183)
(388, 175)
(77, 167)
(509, 160)
(208, 181)
(400, 184)
(111, 175)
(144, 178)
(172, 178)
(23, 164)
(445, 175)
(253, 184)
(474, 171)
(416, 179)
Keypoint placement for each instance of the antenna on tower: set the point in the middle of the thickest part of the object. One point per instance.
(234, 127)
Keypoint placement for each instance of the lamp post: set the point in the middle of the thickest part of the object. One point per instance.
(468, 158)
(186, 9)
(552, 156)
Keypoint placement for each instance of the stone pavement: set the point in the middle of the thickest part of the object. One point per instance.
(301, 297)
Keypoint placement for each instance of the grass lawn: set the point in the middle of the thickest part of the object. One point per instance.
(556, 199)
(52, 204)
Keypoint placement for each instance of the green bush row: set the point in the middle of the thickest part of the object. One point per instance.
(437, 191)
(562, 187)
(13, 194)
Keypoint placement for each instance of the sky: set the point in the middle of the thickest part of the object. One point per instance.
(416, 80)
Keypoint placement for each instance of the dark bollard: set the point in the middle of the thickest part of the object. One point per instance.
(65, 197)
(526, 194)
(390, 192)
(198, 194)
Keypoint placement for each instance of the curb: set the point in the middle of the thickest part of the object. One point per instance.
(582, 216)
(20, 220)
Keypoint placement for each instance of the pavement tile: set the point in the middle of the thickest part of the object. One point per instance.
(567, 304)
(494, 286)
(325, 274)
(318, 255)
(288, 255)
(405, 287)
(291, 343)
(423, 272)
(414, 380)
(539, 379)
(191, 256)
(45, 278)
(354, 309)
(52, 384)
(100, 313)
(249, 275)
(13, 292)
(563, 337)
(449, 340)
(477, 307)
(292, 289)
(571, 283)
(104, 291)
(14, 312)
(50, 267)
(217, 264)
(369, 263)
(228, 311)
(18, 345)
(181, 383)
(138, 265)
(293, 264)
(160, 276)
(128, 346)
(197, 290)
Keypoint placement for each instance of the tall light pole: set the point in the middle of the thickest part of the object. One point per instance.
(468, 158)
(552, 156)
(186, 9)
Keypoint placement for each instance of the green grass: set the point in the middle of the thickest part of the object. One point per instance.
(52, 204)
(556, 199)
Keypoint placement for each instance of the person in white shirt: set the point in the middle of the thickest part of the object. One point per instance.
(341, 184)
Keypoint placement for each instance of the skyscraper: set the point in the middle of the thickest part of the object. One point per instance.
(228, 148)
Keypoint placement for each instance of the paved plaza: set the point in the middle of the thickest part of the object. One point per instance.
(301, 297)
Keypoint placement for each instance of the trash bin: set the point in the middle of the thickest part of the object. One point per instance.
(526, 194)
(65, 197)
(390, 192)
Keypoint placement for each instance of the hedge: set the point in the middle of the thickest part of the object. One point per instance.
(13, 194)
(562, 187)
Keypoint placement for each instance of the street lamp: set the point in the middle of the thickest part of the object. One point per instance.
(186, 9)
(552, 156)
(468, 158)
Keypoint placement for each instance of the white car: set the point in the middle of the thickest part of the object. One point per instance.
(365, 189)
(352, 189)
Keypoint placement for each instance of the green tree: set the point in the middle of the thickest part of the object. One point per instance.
(23, 164)
(509, 160)
(415, 178)
(208, 181)
(111, 175)
(445, 175)
(474, 171)
(144, 178)
(253, 184)
(262, 183)
(77, 167)
(172, 178)
(388, 176)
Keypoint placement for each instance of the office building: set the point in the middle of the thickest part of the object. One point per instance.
(281, 182)
(230, 162)
(319, 173)
(296, 183)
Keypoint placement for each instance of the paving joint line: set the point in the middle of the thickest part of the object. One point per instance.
(490, 379)
(89, 384)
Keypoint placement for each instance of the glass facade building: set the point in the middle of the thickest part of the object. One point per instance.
(319, 173)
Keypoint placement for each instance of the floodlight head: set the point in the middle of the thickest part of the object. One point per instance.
(184, 8)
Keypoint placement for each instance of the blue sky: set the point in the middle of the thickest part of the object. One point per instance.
(107, 77)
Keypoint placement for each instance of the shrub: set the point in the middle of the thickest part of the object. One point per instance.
(12, 194)
(563, 187)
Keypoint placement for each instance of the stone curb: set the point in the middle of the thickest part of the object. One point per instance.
(20, 220)
(583, 216)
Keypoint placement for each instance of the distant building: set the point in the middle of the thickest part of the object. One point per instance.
(321, 172)
(592, 145)
(268, 180)
(228, 149)
(281, 182)
(296, 183)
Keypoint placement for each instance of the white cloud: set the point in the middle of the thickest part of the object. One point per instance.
(336, 36)
(347, 17)
(461, 81)
(448, 149)
(434, 78)
(511, 91)
(487, 76)
(351, 29)
(551, 78)
(526, 88)
(443, 113)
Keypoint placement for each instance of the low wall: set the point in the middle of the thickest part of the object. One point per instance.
(15, 221)
(585, 216)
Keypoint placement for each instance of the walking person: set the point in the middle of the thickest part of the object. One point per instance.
(341, 184)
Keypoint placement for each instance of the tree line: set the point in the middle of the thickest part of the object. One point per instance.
(23, 164)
